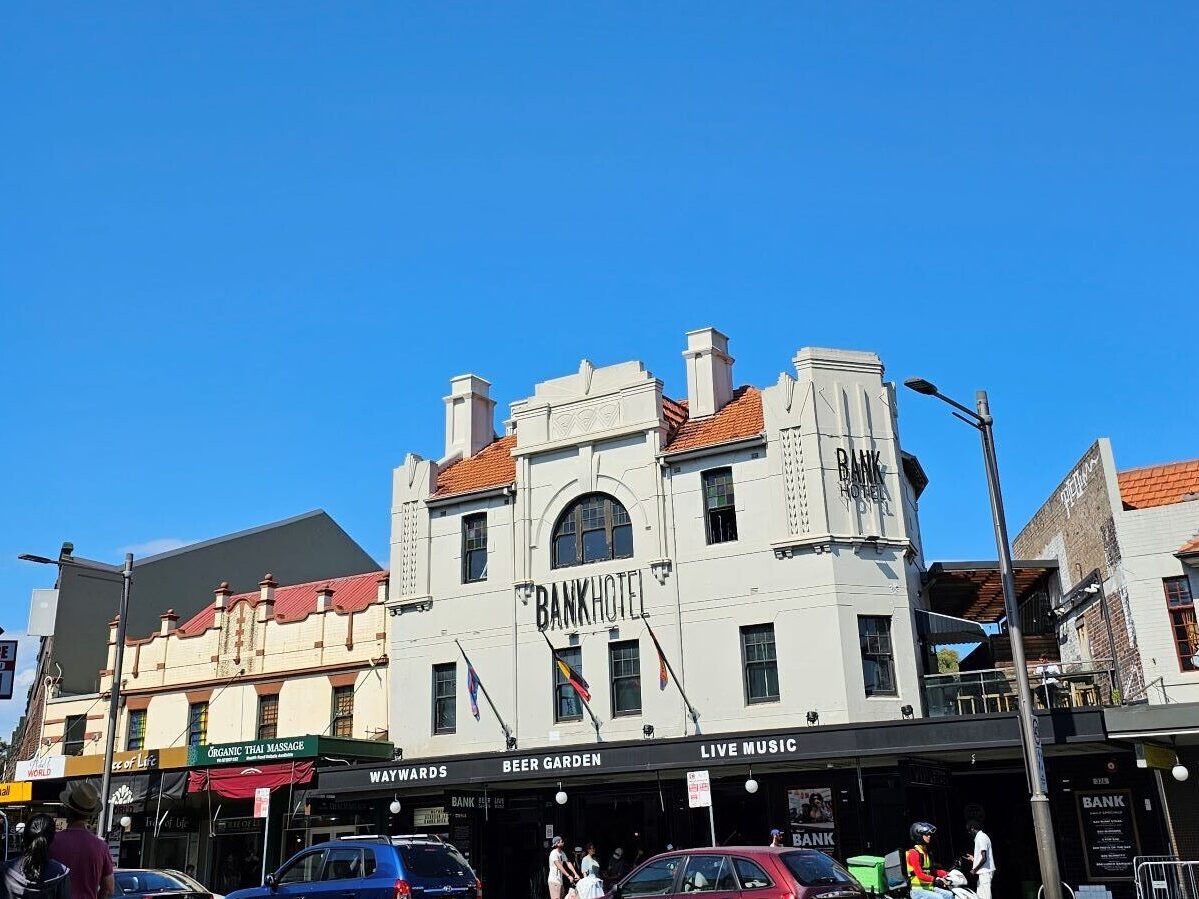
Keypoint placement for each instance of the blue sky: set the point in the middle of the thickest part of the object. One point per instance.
(246, 245)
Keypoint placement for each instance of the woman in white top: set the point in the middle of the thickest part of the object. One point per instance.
(561, 870)
(590, 864)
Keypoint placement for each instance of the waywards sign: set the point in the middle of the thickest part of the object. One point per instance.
(582, 601)
(861, 474)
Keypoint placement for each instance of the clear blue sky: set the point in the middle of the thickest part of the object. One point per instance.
(244, 246)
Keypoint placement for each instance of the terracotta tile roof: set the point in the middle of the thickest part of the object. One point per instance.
(675, 413)
(492, 466)
(742, 417)
(350, 594)
(1159, 485)
(1189, 549)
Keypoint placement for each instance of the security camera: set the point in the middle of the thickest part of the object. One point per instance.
(1091, 589)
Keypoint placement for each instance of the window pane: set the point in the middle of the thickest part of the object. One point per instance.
(564, 551)
(445, 698)
(878, 665)
(476, 565)
(343, 864)
(622, 541)
(702, 873)
(474, 547)
(752, 877)
(343, 711)
(624, 661)
(812, 868)
(761, 669)
(596, 528)
(655, 879)
(567, 705)
(595, 546)
(304, 869)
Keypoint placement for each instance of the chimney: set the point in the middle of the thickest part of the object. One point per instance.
(469, 416)
(170, 621)
(220, 602)
(112, 643)
(266, 597)
(381, 588)
(709, 372)
(324, 598)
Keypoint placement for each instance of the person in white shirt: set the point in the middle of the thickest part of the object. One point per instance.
(561, 870)
(982, 860)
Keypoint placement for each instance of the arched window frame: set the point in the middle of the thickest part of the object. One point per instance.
(577, 532)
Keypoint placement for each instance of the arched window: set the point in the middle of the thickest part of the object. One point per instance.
(594, 528)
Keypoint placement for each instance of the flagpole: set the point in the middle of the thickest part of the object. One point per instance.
(594, 721)
(678, 683)
(478, 680)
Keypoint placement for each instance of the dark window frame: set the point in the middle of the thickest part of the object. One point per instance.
(268, 716)
(197, 723)
(74, 723)
(135, 731)
(619, 646)
(877, 647)
(474, 541)
(450, 698)
(1180, 605)
(563, 692)
(574, 522)
(343, 713)
(720, 505)
(763, 664)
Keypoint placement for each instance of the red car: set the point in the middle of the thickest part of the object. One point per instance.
(740, 872)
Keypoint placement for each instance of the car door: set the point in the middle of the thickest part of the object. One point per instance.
(709, 877)
(655, 878)
(299, 878)
(343, 875)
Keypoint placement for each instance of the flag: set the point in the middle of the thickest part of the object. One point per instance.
(573, 678)
(663, 671)
(472, 687)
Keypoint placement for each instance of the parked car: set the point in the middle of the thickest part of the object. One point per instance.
(371, 868)
(740, 872)
(132, 883)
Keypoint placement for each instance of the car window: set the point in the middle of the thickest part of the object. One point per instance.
(342, 864)
(303, 869)
(708, 874)
(654, 879)
(149, 882)
(368, 862)
(751, 875)
(433, 860)
(814, 868)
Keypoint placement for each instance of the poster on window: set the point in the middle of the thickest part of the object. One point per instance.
(810, 812)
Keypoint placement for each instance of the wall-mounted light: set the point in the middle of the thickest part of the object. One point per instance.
(510, 742)
(813, 718)
(395, 806)
(647, 731)
(397, 753)
(751, 785)
(907, 712)
(560, 797)
(1180, 772)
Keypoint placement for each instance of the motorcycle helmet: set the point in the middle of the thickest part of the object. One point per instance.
(919, 829)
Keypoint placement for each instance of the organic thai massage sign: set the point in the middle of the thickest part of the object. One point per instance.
(582, 601)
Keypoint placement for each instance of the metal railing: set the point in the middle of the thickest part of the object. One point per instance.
(1055, 685)
(1165, 877)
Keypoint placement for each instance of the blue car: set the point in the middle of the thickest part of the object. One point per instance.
(402, 867)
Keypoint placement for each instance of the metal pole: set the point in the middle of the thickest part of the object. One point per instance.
(1161, 797)
(1111, 643)
(712, 822)
(1034, 761)
(114, 700)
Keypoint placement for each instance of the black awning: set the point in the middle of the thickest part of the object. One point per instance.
(942, 630)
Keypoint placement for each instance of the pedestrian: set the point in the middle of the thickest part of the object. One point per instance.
(590, 864)
(83, 853)
(982, 859)
(34, 874)
(776, 838)
(926, 882)
(590, 886)
(617, 866)
(561, 870)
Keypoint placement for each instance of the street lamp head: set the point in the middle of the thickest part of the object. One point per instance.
(41, 560)
(928, 388)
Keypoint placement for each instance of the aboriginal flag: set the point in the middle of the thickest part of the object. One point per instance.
(573, 678)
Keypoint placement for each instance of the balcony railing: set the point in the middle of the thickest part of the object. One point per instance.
(1055, 685)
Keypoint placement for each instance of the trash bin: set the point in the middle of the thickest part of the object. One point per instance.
(869, 871)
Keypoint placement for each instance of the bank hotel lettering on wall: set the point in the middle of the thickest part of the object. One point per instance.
(590, 600)
(861, 474)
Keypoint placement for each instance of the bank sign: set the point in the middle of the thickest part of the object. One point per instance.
(583, 601)
(252, 752)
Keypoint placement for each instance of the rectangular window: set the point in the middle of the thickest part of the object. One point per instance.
(268, 717)
(624, 666)
(567, 705)
(719, 513)
(74, 734)
(197, 723)
(761, 663)
(878, 661)
(343, 711)
(1180, 603)
(445, 698)
(474, 548)
(135, 739)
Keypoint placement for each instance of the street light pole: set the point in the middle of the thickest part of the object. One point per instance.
(1034, 761)
(65, 560)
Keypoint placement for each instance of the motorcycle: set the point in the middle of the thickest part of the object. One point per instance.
(955, 878)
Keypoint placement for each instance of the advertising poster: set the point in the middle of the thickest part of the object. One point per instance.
(810, 813)
(1109, 833)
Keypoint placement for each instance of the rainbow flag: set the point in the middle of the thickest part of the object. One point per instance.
(663, 671)
(574, 678)
(472, 687)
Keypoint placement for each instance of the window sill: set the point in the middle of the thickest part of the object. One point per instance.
(636, 714)
(765, 701)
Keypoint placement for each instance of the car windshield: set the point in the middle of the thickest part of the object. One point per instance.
(814, 868)
(433, 860)
(188, 880)
(130, 882)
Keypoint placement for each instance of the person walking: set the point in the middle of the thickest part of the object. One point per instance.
(34, 874)
(776, 838)
(590, 864)
(80, 850)
(982, 859)
(617, 866)
(926, 882)
(561, 870)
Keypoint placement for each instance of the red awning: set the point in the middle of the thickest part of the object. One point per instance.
(240, 783)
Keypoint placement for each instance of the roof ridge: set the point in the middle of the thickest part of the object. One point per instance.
(1140, 468)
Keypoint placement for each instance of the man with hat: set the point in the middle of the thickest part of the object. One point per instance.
(84, 853)
(776, 838)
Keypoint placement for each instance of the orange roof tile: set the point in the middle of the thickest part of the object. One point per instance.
(1159, 485)
(294, 603)
(741, 417)
(492, 466)
(1189, 549)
